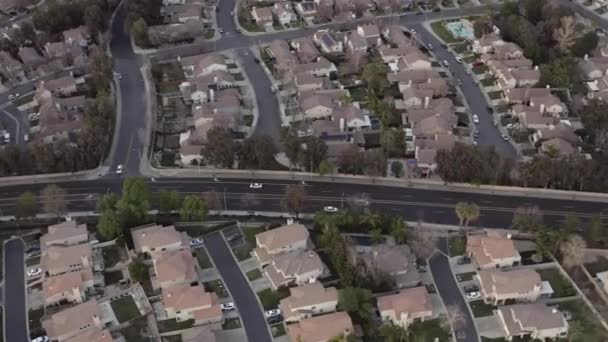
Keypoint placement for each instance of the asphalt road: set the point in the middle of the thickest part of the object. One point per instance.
(452, 297)
(252, 316)
(15, 304)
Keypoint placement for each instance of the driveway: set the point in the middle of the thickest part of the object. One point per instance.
(252, 316)
(15, 306)
(450, 293)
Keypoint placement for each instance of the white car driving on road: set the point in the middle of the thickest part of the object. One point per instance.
(475, 118)
(119, 169)
(255, 186)
(330, 209)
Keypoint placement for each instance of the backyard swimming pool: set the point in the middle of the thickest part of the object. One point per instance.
(461, 29)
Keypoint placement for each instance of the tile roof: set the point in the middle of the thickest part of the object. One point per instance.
(58, 257)
(58, 233)
(277, 238)
(305, 296)
(77, 318)
(157, 236)
(408, 301)
(65, 282)
(185, 297)
(507, 282)
(491, 248)
(526, 318)
(174, 265)
(92, 335)
(320, 328)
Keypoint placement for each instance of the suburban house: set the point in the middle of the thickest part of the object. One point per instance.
(391, 54)
(306, 9)
(68, 287)
(327, 42)
(493, 250)
(184, 302)
(510, 78)
(557, 147)
(406, 307)
(321, 67)
(65, 233)
(173, 267)
(308, 300)
(202, 65)
(60, 118)
(532, 118)
(78, 36)
(536, 321)
(397, 261)
(432, 126)
(63, 86)
(11, 68)
(191, 11)
(370, 33)
(74, 321)
(317, 106)
(593, 67)
(321, 328)
(288, 238)
(598, 88)
(559, 138)
(487, 43)
(355, 43)
(414, 60)
(30, 58)
(295, 267)
(394, 35)
(549, 104)
(350, 117)
(284, 59)
(93, 335)
(306, 49)
(156, 238)
(284, 12)
(499, 286)
(262, 15)
(416, 97)
(425, 151)
(174, 33)
(308, 82)
(57, 259)
(202, 88)
(508, 51)
(523, 95)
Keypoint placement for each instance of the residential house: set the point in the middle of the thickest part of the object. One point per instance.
(406, 78)
(438, 124)
(351, 117)
(598, 89)
(11, 68)
(394, 35)
(175, 33)
(355, 43)
(57, 259)
(308, 300)
(370, 33)
(557, 147)
(487, 43)
(192, 141)
(93, 335)
(284, 12)
(321, 328)
(426, 150)
(498, 286)
(68, 287)
(327, 42)
(202, 65)
(156, 238)
(561, 130)
(296, 267)
(508, 51)
(548, 104)
(416, 97)
(406, 307)
(284, 59)
(496, 66)
(493, 250)
(535, 321)
(317, 106)
(288, 238)
(306, 49)
(66, 233)
(308, 82)
(62, 87)
(202, 89)
(306, 9)
(73, 321)
(391, 55)
(184, 302)
(593, 67)
(532, 118)
(60, 118)
(510, 78)
(321, 67)
(415, 60)
(187, 12)
(30, 58)
(56, 50)
(173, 2)
(262, 15)
(523, 95)
(78, 36)
(173, 268)
(396, 261)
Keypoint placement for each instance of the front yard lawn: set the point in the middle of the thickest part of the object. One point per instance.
(216, 286)
(231, 323)
(460, 48)
(173, 325)
(32, 261)
(254, 274)
(488, 82)
(270, 299)
(243, 252)
(34, 317)
(481, 309)
(203, 258)
(470, 59)
(110, 278)
(23, 100)
(589, 327)
(111, 255)
(457, 244)
(465, 276)
(480, 69)
(278, 330)
(125, 309)
(443, 32)
(495, 95)
(430, 330)
(561, 286)
(134, 332)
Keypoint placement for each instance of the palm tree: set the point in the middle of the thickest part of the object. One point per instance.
(466, 213)
(376, 236)
(399, 230)
(567, 34)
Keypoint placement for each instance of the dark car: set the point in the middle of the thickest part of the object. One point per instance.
(464, 260)
(257, 60)
(437, 9)
(471, 288)
(419, 13)
(274, 319)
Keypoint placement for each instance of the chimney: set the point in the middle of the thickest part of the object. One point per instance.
(427, 101)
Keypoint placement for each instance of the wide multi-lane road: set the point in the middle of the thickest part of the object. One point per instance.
(414, 204)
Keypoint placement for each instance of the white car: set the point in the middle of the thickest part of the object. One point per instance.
(505, 137)
(272, 313)
(228, 306)
(412, 31)
(473, 295)
(32, 272)
(445, 63)
(475, 118)
(330, 209)
(11, 97)
(120, 169)
(430, 46)
(458, 59)
(195, 242)
(255, 186)
(41, 339)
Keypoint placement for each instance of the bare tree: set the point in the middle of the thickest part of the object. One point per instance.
(573, 251)
(53, 200)
(423, 242)
(454, 318)
(295, 199)
(567, 34)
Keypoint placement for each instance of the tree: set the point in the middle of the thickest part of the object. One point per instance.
(94, 19)
(393, 142)
(218, 149)
(134, 204)
(326, 168)
(572, 251)
(256, 152)
(313, 151)
(585, 45)
(482, 26)
(295, 199)
(351, 161)
(139, 31)
(358, 303)
(375, 163)
(558, 73)
(567, 34)
(376, 236)
(193, 209)
(26, 206)
(466, 213)
(547, 242)
(393, 333)
(108, 225)
(595, 233)
(107, 202)
(291, 145)
(139, 271)
(168, 201)
(148, 10)
(399, 230)
(455, 317)
(101, 71)
(53, 200)
(374, 74)
(527, 219)
(595, 118)
(397, 168)
(423, 242)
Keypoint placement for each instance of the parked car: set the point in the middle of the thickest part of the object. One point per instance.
(422, 268)
(476, 133)
(478, 63)
(119, 169)
(32, 272)
(473, 295)
(273, 312)
(465, 260)
(458, 59)
(430, 46)
(471, 288)
(195, 242)
(475, 118)
(255, 186)
(274, 319)
(228, 306)
(330, 209)
(505, 137)
(257, 60)
(495, 123)
(41, 339)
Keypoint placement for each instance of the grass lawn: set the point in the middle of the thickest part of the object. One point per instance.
(590, 328)
(270, 299)
(133, 333)
(481, 309)
(358, 94)
(32, 261)
(457, 245)
(478, 70)
(561, 286)
(443, 32)
(173, 325)
(465, 276)
(428, 331)
(203, 258)
(172, 338)
(278, 330)
(460, 48)
(248, 120)
(125, 309)
(495, 95)
(112, 277)
(216, 286)
(231, 323)
(254, 274)
(599, 265)
(111, 255)
(34, 316)
(246, 20)
(243, 252)
(209, 34)
(23, 100)
(488, 82)
(470, 59)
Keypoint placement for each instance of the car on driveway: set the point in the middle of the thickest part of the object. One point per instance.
(476, 134)
(273, 312)
(505, 137)
(473, 295)
(32, 272)
(196, 242)
(430, 46)
(445, 63)
(274, 319)
(41, 339)
(465, 260)
(330, 209)
(255, 186)
(228, 306)
(471, 288)
(458, 59)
